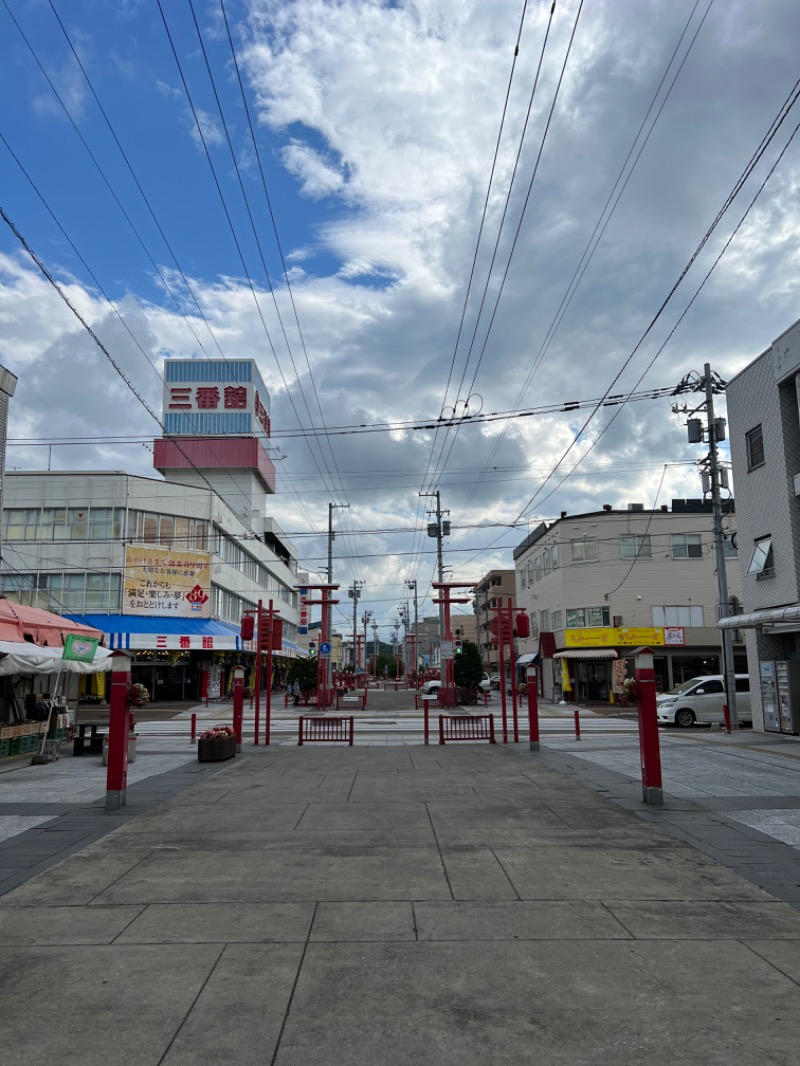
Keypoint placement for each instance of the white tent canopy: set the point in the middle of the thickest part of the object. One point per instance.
(25, 658)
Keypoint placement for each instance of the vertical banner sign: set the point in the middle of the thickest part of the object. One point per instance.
(171, 582)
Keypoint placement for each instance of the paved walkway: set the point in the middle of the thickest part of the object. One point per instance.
(445, 906)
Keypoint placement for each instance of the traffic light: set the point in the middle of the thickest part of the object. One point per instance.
(458, 647)
(248, 629)
(312, 647)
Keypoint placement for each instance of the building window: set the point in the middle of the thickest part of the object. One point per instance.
(20, 523)
(585, 550)
(755, 448)
(633, 546)
(74, 592)
(554, 556)
(544, 621)
(688, 617)
(687, 545)
(557, 620)
(546, 560)
(762, 563)
(587, 617)
(537, 568)
(63, 523)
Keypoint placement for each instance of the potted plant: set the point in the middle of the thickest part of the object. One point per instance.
(216, 744)
(631, 690)
(138, 695)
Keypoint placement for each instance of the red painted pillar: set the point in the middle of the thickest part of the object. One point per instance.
(238, 704)
(257, 686)
(649, 744)
(502, 667)
(119, 723)
(448, 683)
(268, 694)
(533, 707)
(512, 659)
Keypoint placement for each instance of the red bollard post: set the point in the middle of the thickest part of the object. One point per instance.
(119, 724)
(726, 714)
(577, 725)
(238, 704)
(194, 728)
(649, 745)
(533, 707)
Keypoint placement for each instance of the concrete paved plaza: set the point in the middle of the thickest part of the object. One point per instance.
(396, 905)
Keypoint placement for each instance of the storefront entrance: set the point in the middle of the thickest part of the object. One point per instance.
(594, 680)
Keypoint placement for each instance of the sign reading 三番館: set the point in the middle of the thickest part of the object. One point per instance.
(625, 636)
(171, 582)
(214, 396)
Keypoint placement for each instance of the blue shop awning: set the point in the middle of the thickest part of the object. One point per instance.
(132, 632)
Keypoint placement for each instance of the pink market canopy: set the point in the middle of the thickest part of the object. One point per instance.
(20, 624)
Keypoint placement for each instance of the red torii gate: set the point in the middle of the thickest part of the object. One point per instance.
(324, 694)
(502, 629)
(447, 689)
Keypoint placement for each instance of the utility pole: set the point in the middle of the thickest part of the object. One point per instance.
(354, 592)
(375, 646)
(413, 586)
(329, 619)
(439, 530)
(365, 618)
(714, 478)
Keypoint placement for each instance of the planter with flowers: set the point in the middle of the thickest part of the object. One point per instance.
(138, 695)
(217, 744)
(631, 690)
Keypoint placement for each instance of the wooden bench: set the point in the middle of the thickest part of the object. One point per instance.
(425, 699)
(327, 729)
(351, 699)
(95, 720)
(466, 727)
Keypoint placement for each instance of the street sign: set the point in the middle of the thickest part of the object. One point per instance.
(324, 648)
(446, 649)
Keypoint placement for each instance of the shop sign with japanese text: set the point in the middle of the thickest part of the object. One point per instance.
(172, 582)
(624, 636)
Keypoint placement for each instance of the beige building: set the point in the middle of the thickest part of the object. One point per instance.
(493, 587)
(598, 585)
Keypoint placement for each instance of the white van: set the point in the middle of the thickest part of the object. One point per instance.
(701, 700)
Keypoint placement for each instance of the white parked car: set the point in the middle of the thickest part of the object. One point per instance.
(701, 700)
(431, 688)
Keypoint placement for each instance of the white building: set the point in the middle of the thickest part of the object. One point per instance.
(66, 536)
(165, 567)
(763, 402)
(598, 585)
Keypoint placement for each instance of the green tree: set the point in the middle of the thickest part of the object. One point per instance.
(467, 667)
(389, 662)
(303, 672)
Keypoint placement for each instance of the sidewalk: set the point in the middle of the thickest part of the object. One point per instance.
(445, 906)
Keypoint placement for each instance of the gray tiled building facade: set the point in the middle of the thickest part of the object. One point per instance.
(763, 406)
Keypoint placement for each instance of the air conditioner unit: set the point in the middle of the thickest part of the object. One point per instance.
(617, 620)
(635, 506)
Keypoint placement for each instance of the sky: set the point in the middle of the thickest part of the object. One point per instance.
(415, 216)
